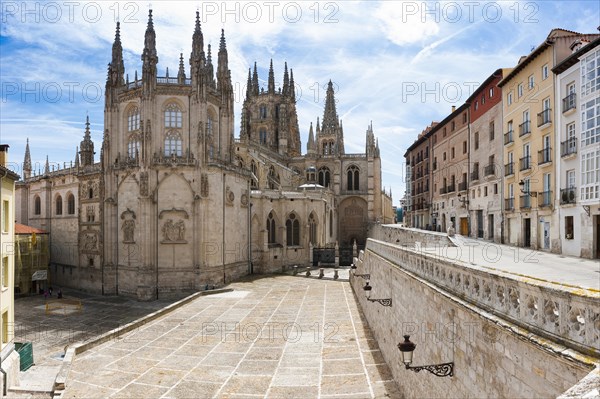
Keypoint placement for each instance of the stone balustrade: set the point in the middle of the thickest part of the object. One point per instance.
(566, 315)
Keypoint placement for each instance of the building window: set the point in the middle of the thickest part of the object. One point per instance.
(465, 114)
(491, 92)
(263, 135)
(520, 90)
(452, 152)
(263, 112)
(59, 205)
(133, 147)
(91, 193)
(476, 105)
(485, 191)
(495, 188)
(531, 82)
(444, 156)
(483, 99)
(133, 120)
(172, 116)
(452, 126)
(590, 122)
(37, 205)
(173, 145)
(509, 98)
(464, 147)
(5, 272)
(271, 237)
(492, 131)
(590, 175)
(590, 74)
(312, 223)
(5, 216)
(353, 178)
(476, 139)
(545, 72)
(569, 230)
(71, 204)
(324, 177)
(292, 229)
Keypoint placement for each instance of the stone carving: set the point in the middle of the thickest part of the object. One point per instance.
(551, 313)
(173, 232)
(90, 242)
(144, 184)
(128, 226)
(532, 307)
(500, 294)
(229, 196)
(576, 321)
(515, 302)
(244, 199)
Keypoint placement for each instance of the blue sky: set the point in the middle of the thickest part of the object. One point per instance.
(400, 64)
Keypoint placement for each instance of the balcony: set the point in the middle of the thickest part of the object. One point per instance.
(489, 170)
(545, 199)
(544, 117)
(508, 138)
(525, 163)
(462, 186)
(451, 188)
(545, 156)
(524, 128)
(525, 201)
(434, 165)
(568, 195)
(443, 190)
(569, 103)
(475, 174)
(509, 169)
(509, 204)
(568, 147)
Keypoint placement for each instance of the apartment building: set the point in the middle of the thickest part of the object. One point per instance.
(577, 91)
(529, 139)
(485, 159)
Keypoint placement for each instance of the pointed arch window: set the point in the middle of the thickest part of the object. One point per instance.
(253, 182)
(58, 205)
(71, 204)
(292, 228)
(353, 178)
(312, 224)
(133, 147)
(172, 116)
(173, 144)
(133, 119)
(37, 205)
(263, 112)
(271, 237)
(324, 176)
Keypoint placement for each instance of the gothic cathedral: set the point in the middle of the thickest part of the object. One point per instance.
(177, 202)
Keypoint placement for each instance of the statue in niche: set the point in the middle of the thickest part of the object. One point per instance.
(128, 228)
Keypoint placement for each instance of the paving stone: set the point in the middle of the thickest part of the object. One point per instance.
(136, 391)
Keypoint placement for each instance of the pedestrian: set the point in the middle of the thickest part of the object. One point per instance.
(59, 294)
(50, 291)
(46, 294)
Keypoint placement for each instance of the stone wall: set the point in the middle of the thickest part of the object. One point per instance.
(492, 356)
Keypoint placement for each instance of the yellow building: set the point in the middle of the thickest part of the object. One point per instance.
(529, 140)
(9, 359)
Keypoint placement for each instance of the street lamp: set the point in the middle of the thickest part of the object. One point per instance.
(522, 186)
(440, 370)
(383, 302)
(463, 200)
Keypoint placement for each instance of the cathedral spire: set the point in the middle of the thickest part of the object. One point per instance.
(286, 81)
(149, 58)
(255, 88)
(310, 146)
(197, 59)
(249, 84)
(223, 75)
(87, 146)
(271, 79)
(47, 167)
(210, 72)
(181, 73)
(292, 86)
(77, 157)
(116, 66)
(330, 117)
(27, 162)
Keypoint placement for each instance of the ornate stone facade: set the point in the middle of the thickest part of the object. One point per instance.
(176, 202)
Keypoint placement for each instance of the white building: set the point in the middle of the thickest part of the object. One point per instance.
(578, 130)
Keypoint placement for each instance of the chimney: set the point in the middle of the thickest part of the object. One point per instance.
(3, 154)
(453, 108)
